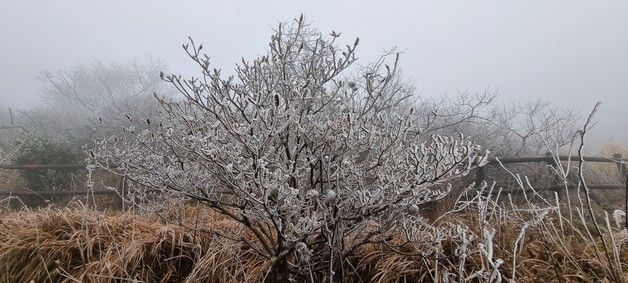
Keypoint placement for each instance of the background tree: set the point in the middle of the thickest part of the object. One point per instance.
(518, 129)
(106, 97)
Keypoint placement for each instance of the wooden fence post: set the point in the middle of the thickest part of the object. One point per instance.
(479, 177)
(621, 165)
(121, 192)
(553, 164)
(623, 172)
(626, 198)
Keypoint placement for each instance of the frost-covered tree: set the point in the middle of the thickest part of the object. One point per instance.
(105, 96)
(314, 157)
(8, 129)
(521, 128)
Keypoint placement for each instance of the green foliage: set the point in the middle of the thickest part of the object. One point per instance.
(39, 149)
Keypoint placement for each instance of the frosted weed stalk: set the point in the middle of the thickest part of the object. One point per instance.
(492, 237)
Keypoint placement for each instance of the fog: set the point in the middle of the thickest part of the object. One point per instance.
(572, 53)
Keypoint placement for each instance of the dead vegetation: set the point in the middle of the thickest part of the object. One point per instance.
(81, 245)
(72, 245)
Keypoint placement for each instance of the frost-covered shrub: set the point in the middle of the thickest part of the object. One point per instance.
(313, 156)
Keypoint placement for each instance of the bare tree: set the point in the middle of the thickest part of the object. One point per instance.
(313, 159)
(9, 129)
(522, 128)
(104, 96)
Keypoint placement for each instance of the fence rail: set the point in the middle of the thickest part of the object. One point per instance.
(548, 159)
(48, 193)
(41, 166)
(56, 193)
(554, 161)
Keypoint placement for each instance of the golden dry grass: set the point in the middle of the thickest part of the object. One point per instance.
(70, 246)
(77, 245)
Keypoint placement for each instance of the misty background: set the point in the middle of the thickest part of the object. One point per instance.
(571, 53)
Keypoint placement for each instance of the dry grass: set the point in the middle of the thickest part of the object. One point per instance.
(78, 245)
(539, 260)
(70, 246)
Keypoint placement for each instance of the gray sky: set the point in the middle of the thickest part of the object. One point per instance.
(572, 53)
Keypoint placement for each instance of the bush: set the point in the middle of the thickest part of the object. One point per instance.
(39, 149)
(313, 160)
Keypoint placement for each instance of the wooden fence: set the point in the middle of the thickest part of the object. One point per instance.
(554, 161)
(49, 193)
(480, 173)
